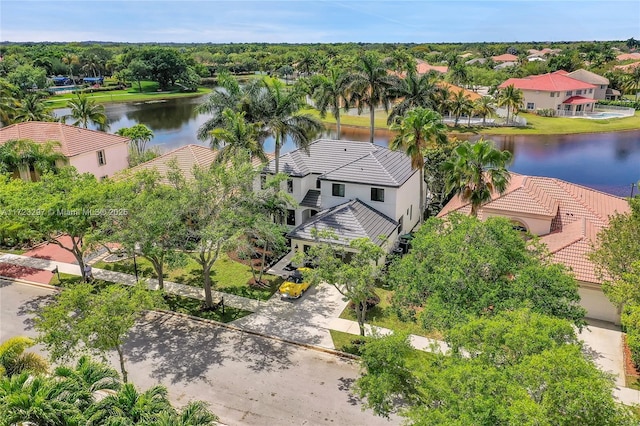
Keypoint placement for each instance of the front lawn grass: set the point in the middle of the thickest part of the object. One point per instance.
(227, 275)
(382, 315)
(175, 303)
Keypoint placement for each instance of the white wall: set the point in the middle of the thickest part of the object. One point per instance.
(361, 192)
(597, 305)
(408, 199)
(116, 157)
(537, 225)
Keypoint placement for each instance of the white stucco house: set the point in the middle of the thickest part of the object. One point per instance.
(89, 151)
(567, 218)
(356, 189)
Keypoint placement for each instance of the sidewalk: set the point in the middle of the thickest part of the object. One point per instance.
(230, 300)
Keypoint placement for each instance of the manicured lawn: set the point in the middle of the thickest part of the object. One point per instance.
(382, 315)
(132, 94)
(185, 305)
(227, 275)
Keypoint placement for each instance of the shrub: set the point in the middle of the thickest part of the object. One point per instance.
(546, 112)
(631, 321)
(629, 104)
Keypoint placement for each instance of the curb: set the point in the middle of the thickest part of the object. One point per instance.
(31, 283)
(255, 333)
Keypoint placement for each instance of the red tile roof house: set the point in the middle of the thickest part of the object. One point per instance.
(567, 217)
(506, 57)
(557, 91)
(89, 151)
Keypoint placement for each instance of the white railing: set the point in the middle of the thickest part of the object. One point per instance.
(628, 112)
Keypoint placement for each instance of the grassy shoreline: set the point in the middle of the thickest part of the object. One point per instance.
(539, 126)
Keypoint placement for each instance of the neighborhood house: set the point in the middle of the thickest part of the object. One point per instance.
(567, 217)
(355, 189)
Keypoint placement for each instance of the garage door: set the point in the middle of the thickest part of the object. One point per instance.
(598, 306)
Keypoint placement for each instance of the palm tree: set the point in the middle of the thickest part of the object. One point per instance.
(281, 117)
(84, 110)
(128, 406)
(330, 92)
(512, 98)
(236, 138)
(24, 155)
(193, 414)
(413, 91)
(13, 359)
(139, 135)
(70, 59)
(475, 171)
(442, 98)
(459, 74)
(229, 94)
(632, 82)
(419, 128)
(369, 86)
(32, 107)
(460, 104)
(485, 106)
(8, 102)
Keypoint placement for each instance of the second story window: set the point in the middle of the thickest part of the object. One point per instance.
(570, 92)
(102, 160)
(318, 184)
(377, 194)
(578, 92)
(337, 190)
(291, 217)
(290, 186)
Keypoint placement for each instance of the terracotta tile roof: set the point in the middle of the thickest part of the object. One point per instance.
(627, 56)
(73, 140)
(187, 157)
(551, 82)
(506, 57)
(423, 67)
(578, 213)
(588, 77)
(454, 89)
(628, 67)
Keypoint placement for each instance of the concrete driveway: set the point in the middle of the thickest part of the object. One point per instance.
(247, 380)
(304, 320)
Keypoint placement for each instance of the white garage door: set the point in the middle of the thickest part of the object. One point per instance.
(598, 306)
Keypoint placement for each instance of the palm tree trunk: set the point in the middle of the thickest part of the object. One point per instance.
(421, 193)
(484, 120)
(508, 114)
(474, 210)
(372, 122)
(276, 152)
(338, 125)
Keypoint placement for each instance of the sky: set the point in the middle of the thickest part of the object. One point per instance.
(317, 21)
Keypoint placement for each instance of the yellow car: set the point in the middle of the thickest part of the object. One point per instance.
(295, 285)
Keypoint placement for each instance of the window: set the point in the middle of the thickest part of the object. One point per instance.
(263, 181)
(290, 186)
(318, 183)
(531, 105)
(400, 224)
(377, 194)
(102, 160)
(411, 212)
(569, 93)
(578, 92)
(602, 86)
(291, 217)
(553, 94)
(337, 190)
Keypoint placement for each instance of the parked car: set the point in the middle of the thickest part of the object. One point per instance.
(295, 285)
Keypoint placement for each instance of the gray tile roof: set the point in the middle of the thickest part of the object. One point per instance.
(312, 199)
(351, 220)
(347, 161)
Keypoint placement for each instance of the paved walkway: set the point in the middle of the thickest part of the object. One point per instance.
(231, 300)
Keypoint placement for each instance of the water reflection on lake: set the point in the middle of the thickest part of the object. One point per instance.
(606, 161)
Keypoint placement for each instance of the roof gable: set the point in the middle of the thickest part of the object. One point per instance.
(588, 77)
(551, 82)
(73, 140)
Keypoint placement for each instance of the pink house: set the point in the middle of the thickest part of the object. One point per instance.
(89, 151)
(557, 91)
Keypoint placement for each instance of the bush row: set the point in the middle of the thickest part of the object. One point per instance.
(629, 104)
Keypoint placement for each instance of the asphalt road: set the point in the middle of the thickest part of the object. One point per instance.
(247, 380)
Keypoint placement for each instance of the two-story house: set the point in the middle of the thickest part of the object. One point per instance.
(557, 91)
(356, 189)
(89, 151)
(567, 218)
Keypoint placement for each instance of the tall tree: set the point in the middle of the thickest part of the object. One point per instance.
(24, 156)
(476, 171)
(412, 91)
(237, 138)
(32, 107)
(85, 110)
(511, 98)
(369, 86)
(632, 82)
(81, 320)
(352, 273)
(330, 93)
(140, 135)
(460, 104)
(418, 129)
(281, 117)
(484, 107)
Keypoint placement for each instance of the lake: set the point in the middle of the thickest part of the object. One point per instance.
(608, 162)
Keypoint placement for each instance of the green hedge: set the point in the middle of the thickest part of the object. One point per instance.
(631, 321)
(632, 104)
